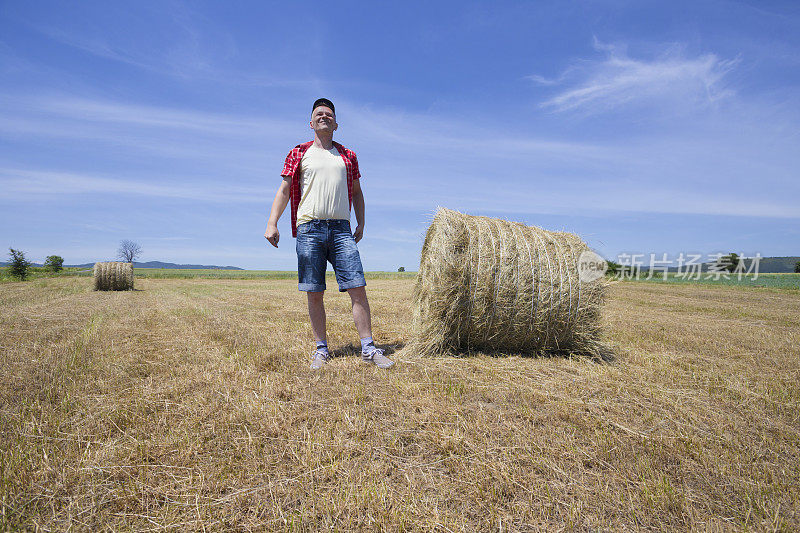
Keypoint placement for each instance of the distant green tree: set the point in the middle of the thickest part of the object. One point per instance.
(797, 267)
(54, 263)
(403, 269)
(729, 262)
(19, 265)
(613, 268)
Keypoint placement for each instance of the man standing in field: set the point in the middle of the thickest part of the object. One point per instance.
(322, 180)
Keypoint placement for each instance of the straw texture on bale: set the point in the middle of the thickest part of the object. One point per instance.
(493, 285)
(113, 276)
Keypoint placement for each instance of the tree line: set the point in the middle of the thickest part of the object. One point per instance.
(19, 266)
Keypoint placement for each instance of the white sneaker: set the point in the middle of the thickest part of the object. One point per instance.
(318, 359)
(377, 358)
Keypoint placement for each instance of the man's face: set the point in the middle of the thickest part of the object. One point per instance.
(323, 120)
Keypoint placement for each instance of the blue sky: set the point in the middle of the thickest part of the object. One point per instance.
(645, 127)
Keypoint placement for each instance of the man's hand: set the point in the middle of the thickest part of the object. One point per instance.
(272, 234)
(358, 233)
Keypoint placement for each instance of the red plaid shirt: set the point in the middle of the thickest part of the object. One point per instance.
(292, 168)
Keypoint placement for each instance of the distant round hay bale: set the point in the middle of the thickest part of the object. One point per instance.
(493, 285)
(113, 276)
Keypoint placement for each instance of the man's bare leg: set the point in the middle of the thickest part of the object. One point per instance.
(361, 313)
(316, 313)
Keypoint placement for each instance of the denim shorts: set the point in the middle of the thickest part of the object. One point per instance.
(323, 241)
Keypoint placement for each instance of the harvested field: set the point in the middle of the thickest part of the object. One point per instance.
(187, 404)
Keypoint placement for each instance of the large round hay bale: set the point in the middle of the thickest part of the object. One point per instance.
(113, 276)
(498, 286)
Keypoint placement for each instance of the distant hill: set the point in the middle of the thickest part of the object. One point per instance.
(149, 264)
(767, 265)
(159, 264)
(777, 264)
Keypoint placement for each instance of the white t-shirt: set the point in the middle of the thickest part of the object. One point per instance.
(323, 190)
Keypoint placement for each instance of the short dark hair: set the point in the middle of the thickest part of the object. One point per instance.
(325, 102)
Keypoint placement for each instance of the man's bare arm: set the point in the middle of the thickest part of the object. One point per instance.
(278, 206)
(359, 208)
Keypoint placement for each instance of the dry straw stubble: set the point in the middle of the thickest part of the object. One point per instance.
(494, 285)
(113, 276)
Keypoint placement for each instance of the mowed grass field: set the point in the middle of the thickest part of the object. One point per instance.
(188, 405)
(769, 280)
(190, 273)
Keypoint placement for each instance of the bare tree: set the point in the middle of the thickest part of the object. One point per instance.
(129, 251)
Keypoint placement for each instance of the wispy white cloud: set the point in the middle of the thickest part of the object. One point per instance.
(599, 199)
(410, 161)
(233, 143)
(233, 139)
(618, 79)
(97, 47)
(186, 52)
(431, 133)
(37, 184)
(121, 113)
